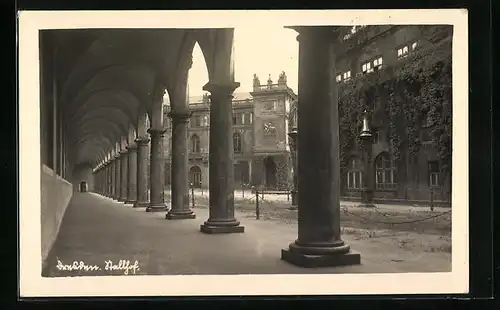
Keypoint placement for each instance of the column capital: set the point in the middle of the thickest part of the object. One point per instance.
(219, 89)
(117, 156)
(180, 116)
(124, 152)
(132, 147)
(159, 131)
(327, 33)
(141, 141)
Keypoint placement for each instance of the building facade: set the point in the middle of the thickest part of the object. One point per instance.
(260, 137)
(402, 76)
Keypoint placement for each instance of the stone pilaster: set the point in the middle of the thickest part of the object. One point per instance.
(180, 165)
(221, 169)
(156, 203)
(124, 175)
(319, 242)
(142, 173)
(132, 174)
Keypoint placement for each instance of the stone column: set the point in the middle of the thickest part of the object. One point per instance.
(180, 165)
(99, 174)
(113, 178)
(221, 171)
(106, 179)
(117, 177)
(109, 179)
(319, 242)
(132, 174)
(142, 173)
(124, 175)
(156, 203)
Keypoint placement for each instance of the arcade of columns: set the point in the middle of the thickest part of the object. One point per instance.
(123, 176)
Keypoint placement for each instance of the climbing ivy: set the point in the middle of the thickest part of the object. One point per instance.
(418, 93)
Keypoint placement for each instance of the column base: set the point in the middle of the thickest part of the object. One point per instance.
(156, 208)
(293, 208)
(326, 260)
(141, 204)
(121, 199)
(182, 215)
(366, 205)
(221, 227)
(130, 202)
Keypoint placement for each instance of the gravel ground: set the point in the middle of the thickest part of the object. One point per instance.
(410, 228)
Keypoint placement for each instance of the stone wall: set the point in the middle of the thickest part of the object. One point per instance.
(56, 194)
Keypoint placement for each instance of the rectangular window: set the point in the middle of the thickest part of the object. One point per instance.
(433, 173)
(237, 118)
(339, 78)
(247, 118)
(376, 137)
(434, 179)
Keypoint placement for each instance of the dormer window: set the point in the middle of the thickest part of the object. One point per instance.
(377, 63)
(347, 76)
(367, 67)
(372, 65)
(343, 76)
(404, 51)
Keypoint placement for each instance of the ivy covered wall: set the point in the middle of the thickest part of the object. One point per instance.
(406, 99)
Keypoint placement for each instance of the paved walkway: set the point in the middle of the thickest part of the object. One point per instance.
(96, 229)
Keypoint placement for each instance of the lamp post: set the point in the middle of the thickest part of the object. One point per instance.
(367, 142)
(293, 148)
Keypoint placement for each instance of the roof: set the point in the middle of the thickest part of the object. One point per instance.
(236, 96)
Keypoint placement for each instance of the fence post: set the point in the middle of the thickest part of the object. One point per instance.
(243, 188)
(192, 194)
(432, 198)
(257, 210)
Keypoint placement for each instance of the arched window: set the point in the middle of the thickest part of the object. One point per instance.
(355, 174)
(195, 144)
(237, 142)
(385, 172)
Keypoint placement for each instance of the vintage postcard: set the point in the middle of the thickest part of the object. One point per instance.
(182, 153)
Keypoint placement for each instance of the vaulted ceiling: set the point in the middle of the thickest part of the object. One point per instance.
(107, 80)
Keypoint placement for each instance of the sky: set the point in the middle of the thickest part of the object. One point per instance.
(263, 50)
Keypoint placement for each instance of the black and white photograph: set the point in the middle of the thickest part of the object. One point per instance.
(263, 152)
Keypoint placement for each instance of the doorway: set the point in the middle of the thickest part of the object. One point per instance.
(195, 176)
(270, 172)
(83, 186)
